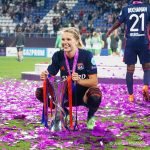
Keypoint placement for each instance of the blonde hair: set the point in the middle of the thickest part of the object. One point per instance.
(95, 34)
(76, 34)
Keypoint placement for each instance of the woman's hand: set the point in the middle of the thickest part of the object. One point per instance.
(75, 77)
(43, 75)
(89, 82)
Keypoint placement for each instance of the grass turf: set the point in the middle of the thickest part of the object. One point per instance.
(11, 68)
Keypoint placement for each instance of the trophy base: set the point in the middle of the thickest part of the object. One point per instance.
(57, 124)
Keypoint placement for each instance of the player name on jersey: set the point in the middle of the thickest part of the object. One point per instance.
(137, 9)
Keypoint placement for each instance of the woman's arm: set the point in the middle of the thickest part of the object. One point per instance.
(92, 81)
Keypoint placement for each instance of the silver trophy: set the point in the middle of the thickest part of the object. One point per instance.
(58, 120)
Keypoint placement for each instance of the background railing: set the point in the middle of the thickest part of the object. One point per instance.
(35, 35)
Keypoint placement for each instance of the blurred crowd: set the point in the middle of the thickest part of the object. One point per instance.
(21, 12)
(85, 17)
(18, 10)
(92, 17)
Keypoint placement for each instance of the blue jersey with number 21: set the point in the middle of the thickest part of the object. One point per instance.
(136, 18)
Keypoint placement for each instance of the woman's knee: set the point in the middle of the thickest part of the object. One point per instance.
(39, 94)
(93, 97)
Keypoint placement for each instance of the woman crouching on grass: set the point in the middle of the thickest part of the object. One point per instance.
(80, 64)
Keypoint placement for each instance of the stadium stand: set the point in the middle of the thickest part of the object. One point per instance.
(42, 17)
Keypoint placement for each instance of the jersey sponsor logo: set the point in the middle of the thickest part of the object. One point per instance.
(82, 76)
(64, 77)
(137, 9)
(136, 34)
(93, 61)
(80, 66)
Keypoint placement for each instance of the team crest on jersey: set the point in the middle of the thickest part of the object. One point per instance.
(93, 61)
(80, 66)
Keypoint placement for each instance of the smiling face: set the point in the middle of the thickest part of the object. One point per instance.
(69, 43)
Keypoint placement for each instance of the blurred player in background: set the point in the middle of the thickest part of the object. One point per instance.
(136, 17)
(20, 42)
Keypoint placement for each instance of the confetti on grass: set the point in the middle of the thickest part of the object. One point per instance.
(119, 122)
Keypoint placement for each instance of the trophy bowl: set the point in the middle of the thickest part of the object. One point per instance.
(58, 88)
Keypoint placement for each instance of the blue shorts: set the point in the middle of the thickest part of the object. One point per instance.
(131, 53)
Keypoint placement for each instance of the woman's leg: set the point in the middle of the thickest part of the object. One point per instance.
(146, 81)
(92, 99)
(129, 78)
(39, 95)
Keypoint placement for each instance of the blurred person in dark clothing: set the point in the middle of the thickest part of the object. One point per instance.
(20, 42)
(114, 43)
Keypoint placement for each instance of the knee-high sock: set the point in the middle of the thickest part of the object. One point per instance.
(93, 103)
(129, 82)
(146, 78)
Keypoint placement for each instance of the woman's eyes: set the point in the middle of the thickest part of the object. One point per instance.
(68, 39)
